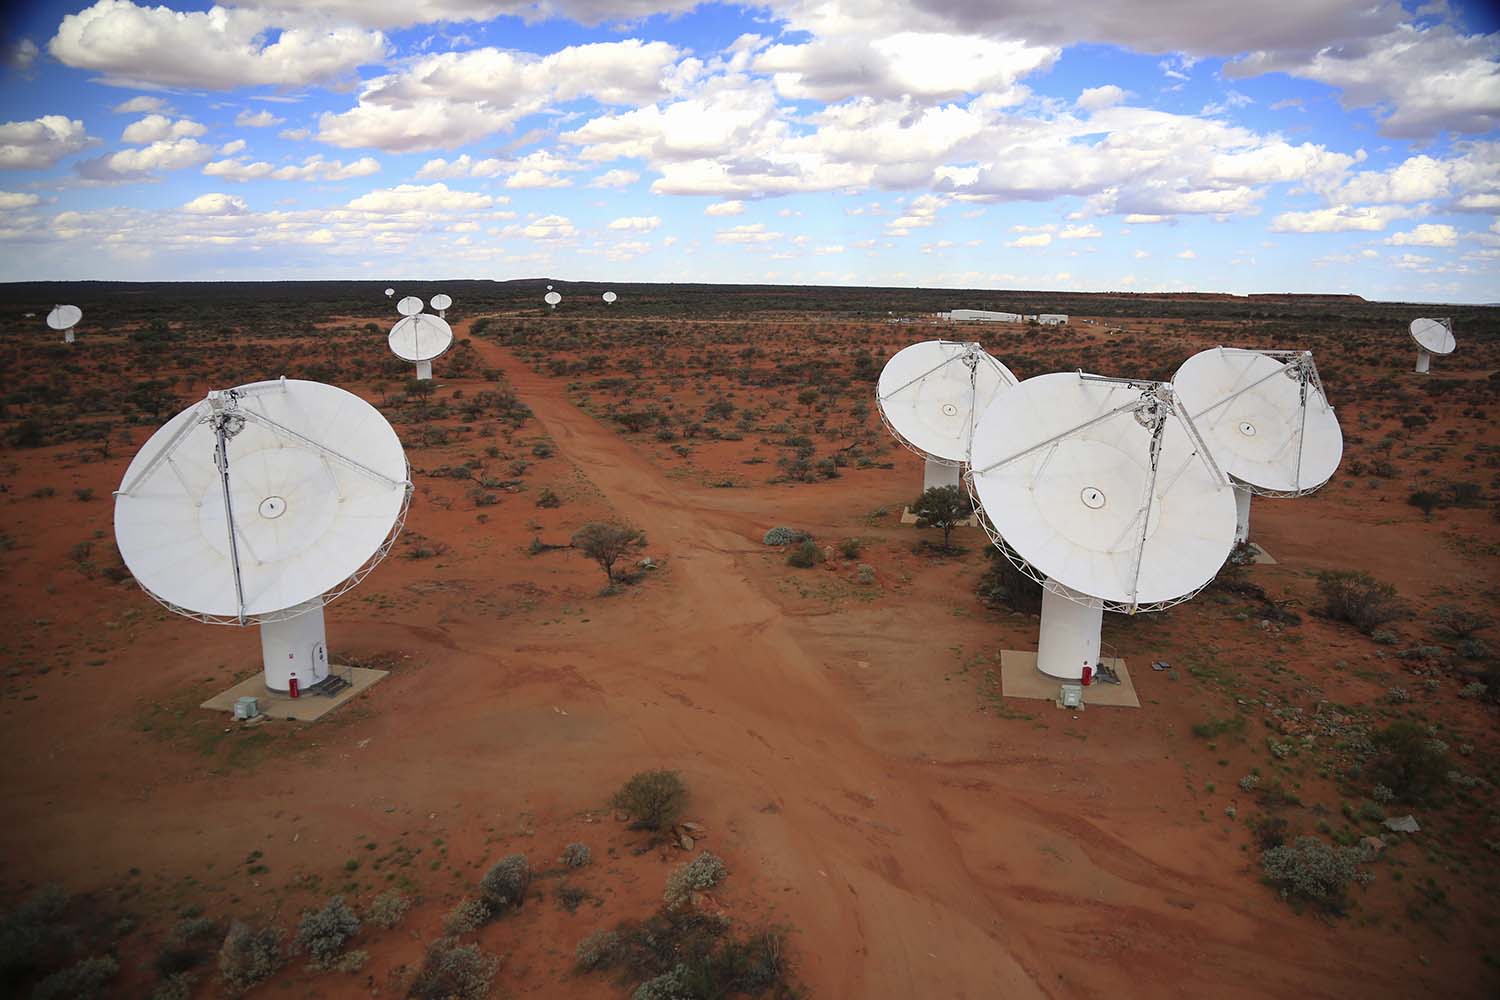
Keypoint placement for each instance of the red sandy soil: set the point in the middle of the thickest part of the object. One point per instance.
(843, 745)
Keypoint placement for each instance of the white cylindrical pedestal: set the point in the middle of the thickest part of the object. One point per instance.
(936, 474)
(68, 335)
(296, 645)
(424, 370)
(1069, 637)
(442, 314)
(1423, 360)
(1241, 514)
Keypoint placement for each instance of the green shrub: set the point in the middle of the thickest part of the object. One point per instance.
(249, 956)
(1312, 871)
(1460, 623)
(703, 872)
(452, 971)
(576, 855)
(467, 916)
(850, 548)
(652, 799)
(1359, 599)
(389, 908)
(1003, 584)
(944, 508)
(80, 981)
(324, 932)
(599, 950)
(805, 555)
(177, 986)
(670, 985)
(1408, 761)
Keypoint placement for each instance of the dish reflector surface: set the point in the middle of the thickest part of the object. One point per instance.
(421, 337)
(64, 317)
(1062, 466)
(1265, 418)
(931, 395)
(552, 298)
(317, 481)
(442, 301)
(1431, 335)
(610, 296)
(409, 306)
(389, 292)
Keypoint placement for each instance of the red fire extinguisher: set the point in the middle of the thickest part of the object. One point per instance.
(1088, 677)
(296, 692)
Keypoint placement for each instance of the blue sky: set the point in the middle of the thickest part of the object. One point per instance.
(1287, 145)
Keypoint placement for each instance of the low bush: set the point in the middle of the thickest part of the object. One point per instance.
(389, 908)
(453, 971)
(249, 956)
(1407, 761)
(576, 855)
(79, 981)
(504, 885)
(599, 950)
(652, 799)
(1359, 599)
(703, 872)
(1003, 584)
(805, 555)
(324, 932)
(784, 536)
(466, 917)
(1312, 871)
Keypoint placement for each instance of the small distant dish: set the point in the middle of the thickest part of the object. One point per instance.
(64, 317)
(610, 297)
(409, 306)
(441, 301)
(552, 299)
(1432, 336)
(389, 292)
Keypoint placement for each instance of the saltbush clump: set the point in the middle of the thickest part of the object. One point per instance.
(249, 956)
(576, 855)
(672, 985)
(389, 907)
(805, 555)
(703, 872)
(783, 536)
(652, 799)
(325, 932)
(80, 981)
(504, 885)
(1408, 761)
(453, 971)
(468, 916)
(1312, 871)
(598, 951)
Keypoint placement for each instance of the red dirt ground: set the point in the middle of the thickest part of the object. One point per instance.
(843, 744)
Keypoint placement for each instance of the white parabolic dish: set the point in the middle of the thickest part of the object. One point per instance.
(1433, 336)
(552, 298)
(931, 395)
(421, 337)
(64, 317)
(389, 292)
(610, 297)
(317, 484)
(1264, 417)
(409, 306)
(1062, 468)
(442, 301)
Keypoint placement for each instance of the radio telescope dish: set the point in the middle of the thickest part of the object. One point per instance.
(420, 339)
(930, 397)
(549, 288)
(389, 292)
(441, 303)
(64, 318)
(1103, 492)
(609, 298)
(552, 299)
(409, 306)
(315, 484)
(1267, 419)
(1432, 336)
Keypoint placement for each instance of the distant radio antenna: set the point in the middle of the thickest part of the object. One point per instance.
(609, 298)
(552, 298)
(410, 306)
(64, 318)
(1266, 418)
(1432, 336)
(421, 339)
(389, 292)
(441, 303)
(930, 397)
(1102, 491)
(258, 506)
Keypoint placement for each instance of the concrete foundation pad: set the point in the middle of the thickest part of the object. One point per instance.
(1262, 557)
(1019, 678)
(308, 708)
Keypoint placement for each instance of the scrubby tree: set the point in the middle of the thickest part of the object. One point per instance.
(945, 508)
(606, 543)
